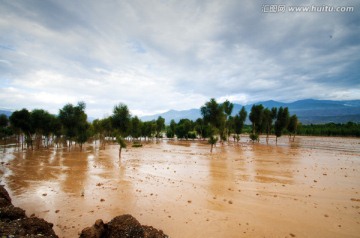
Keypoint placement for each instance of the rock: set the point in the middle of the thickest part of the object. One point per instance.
(14, 222)
(121, 227)
(124, 226)
(151, 232)
(10, 213)
(5, 199)
(96, 231)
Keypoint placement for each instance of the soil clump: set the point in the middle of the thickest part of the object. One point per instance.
(15, 223)
(119, 227)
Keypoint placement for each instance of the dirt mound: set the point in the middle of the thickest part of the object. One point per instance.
(121, 227)
(14, 222)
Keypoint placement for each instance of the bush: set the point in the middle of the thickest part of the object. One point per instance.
(254, 137)
(137, 144)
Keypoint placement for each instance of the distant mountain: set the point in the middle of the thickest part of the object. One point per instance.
(6, 112)
(309, 111)
(191, 114)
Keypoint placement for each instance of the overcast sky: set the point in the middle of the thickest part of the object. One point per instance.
(156, 55)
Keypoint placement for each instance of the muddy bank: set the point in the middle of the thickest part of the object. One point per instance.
(14, 222)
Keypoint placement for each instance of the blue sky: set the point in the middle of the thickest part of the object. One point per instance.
(157, 55)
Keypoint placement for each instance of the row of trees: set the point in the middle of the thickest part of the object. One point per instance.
(330, 129)
(71, 124)
(38, 127)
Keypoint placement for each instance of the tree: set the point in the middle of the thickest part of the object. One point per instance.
(228, 108)
(239, 121)
(120, 119)
(20, 120)
(170, 132)
(74, 122)
(214, 116)
(267, 122)
(4, 121)
(212, 141)
(121, 142)
(148, 129)
(256, 116)
(96, 129)
(282, 121)
(292, 126)
(41, 124)
(183, 128)
(136, 125)
(160, 126)
(56, 128)
(5, 130)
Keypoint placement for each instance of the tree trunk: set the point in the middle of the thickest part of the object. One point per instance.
(211, 148)
(120, 152)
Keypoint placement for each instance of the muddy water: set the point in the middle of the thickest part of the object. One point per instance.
(307, 188)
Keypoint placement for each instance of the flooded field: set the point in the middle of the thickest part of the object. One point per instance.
(306, 188)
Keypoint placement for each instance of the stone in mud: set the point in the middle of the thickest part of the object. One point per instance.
(121, 227)
(10, 213)
(5, 199)
(96, 231)
(124, 226)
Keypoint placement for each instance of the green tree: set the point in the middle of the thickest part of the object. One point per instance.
(121, 142)
(256, 117)
(212, 141)
(292, 126)
(120, 119)
(214, 116)
(136, 125)
(170, 132)
(183, 128)
(148, 129)
(4, 121)
(41, 123)
(239, 121)
(74, 122)
(282, 121)
(20, 120)
(160, 126)
(267, 122)
(228, 108)
(96, 129)
(5, 129)
(56, 129)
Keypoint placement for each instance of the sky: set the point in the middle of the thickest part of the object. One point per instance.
(157, 55)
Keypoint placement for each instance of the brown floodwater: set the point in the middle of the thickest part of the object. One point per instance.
(306, 188)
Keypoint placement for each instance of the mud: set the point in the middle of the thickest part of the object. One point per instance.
(308, 188)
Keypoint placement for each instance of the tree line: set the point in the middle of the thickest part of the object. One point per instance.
(38, 128)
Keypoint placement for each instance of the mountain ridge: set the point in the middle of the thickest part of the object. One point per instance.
(308, 111)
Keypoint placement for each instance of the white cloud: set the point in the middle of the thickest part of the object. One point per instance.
(155, 56)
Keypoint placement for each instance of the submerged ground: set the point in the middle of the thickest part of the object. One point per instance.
(306, 188)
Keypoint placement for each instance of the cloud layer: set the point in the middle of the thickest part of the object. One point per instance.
(158, 55)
